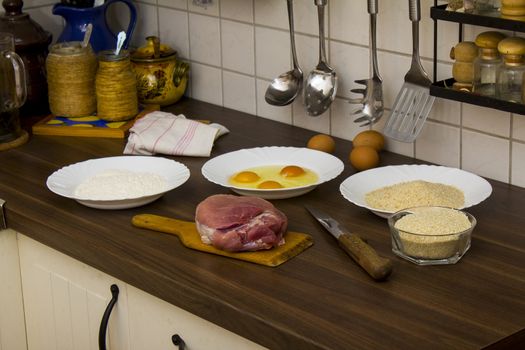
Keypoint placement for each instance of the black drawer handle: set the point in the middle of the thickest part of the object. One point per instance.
(105, 318)
(177, 340)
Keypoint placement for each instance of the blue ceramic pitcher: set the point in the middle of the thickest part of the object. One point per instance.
(102, 38)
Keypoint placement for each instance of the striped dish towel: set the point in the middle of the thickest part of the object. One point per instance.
(166, 133)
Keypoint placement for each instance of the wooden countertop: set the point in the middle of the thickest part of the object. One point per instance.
(318, 300)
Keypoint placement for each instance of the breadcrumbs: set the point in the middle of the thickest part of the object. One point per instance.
(433, 233)
(415, 194)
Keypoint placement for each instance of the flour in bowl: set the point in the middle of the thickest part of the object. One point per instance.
(118, 184)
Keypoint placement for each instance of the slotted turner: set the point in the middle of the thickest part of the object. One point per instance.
(413, 102)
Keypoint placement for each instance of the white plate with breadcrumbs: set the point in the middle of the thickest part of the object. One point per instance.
(475, 188)
(219, 169)
(118, 182)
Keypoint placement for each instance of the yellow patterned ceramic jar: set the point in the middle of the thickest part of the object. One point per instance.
(161, 77)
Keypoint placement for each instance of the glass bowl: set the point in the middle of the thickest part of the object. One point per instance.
(429, 236)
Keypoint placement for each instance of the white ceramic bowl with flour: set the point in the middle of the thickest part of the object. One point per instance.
(118, 182)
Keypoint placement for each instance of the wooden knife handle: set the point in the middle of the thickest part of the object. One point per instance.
(377, 267)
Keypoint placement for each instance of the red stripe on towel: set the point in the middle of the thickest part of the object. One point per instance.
(149, 122)
(160, 137)
(185, 139)
(143, 121)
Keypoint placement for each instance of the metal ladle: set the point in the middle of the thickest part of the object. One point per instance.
(321, 84)
(287, 86)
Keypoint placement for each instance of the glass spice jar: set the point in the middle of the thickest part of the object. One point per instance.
(509, 84)
(116, 87)
(486, 6)
(487, 63)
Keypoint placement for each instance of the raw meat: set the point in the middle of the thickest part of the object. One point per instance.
(235, 223)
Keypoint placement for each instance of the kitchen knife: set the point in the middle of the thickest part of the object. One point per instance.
(377, 267)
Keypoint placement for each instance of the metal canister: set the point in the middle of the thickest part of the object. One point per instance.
(71, 70)
(116, 87)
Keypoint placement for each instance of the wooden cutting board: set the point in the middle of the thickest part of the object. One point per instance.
(295, 242)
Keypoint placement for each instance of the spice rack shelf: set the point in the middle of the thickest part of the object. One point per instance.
(443, 88)
(492, 20)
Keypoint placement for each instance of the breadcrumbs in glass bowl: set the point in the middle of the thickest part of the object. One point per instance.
(431, 235)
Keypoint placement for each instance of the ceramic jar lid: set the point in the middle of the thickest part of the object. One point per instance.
(29, 35)
(153, 51)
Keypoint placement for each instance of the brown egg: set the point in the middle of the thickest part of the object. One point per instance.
(364, 157)
(267, 185)
(246, 177)
(292, 171)
(370, 138)
(322, 142)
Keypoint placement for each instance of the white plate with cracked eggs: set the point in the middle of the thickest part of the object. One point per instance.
(261, 162)
(120, 182)
(355, 188)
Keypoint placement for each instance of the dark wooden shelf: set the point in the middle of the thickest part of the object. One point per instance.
(492, 20)
(444, 89)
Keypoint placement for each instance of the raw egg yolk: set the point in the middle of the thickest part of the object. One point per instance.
(269, 185)
(292, 171)
(246, 176)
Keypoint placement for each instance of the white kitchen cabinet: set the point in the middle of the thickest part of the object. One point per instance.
(12, 327)
(64, 301)
(153, 321)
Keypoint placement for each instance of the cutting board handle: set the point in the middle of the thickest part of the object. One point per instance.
(159, 223)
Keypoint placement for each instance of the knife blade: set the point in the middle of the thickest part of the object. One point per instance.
(377, 267)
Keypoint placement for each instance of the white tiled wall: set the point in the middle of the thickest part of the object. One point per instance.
(236, 47)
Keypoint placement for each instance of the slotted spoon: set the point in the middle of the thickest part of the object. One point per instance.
(372, 99)
(413, 102)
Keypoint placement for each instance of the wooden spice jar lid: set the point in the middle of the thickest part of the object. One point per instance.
(489, 40)
(513, 7)
(512, 46)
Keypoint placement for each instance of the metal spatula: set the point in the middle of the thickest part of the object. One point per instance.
(413, 102)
